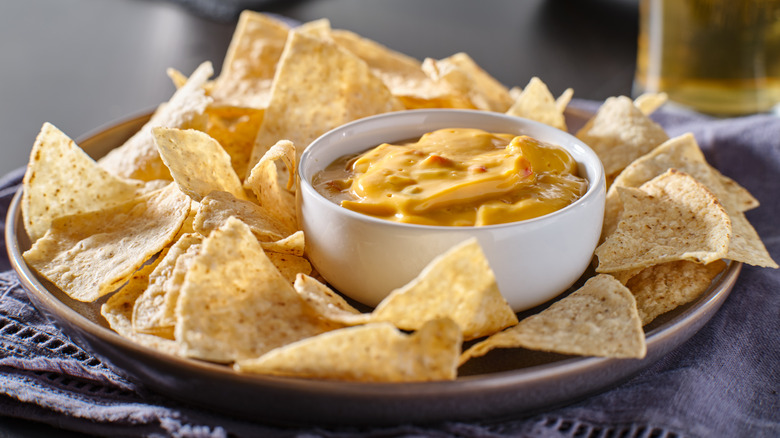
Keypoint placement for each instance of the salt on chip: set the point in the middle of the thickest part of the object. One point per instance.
(599, 319)
(138, 157)
(154, 310)
(459, 285)
(91, 254)
(661, 288)
(465, 76)
(536, 102)
(197, 162)
(61, 179)
(267, 185)
(671, 217)
(250, 62)
(118, 312)
(318, 86)
(234, 304)
(376, 352)
(218, 207)
(619, 133)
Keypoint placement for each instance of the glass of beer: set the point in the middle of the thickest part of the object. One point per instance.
(720, 57)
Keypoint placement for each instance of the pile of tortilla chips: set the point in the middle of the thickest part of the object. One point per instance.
(186, 236)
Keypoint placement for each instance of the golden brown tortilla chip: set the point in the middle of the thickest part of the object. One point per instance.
(318, 87)
(61, 180)
(467, 78)
(91, 254)
(661, 288)
(375, 352)
(234, 304)
(197, 163)
(536, 102)
(459, 285)
(648, 103)
(599, 319)
(619, 133)
(138, 157)
(671, 217)
(250, 62)
(235, 129)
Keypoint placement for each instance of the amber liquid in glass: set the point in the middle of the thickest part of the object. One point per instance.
(719, 57)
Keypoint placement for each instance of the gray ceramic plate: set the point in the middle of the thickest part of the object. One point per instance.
(501, 384)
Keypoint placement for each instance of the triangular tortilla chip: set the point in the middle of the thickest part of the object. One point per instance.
(648, 103)
(328, 303)
(671, 217)
(234, 304)
(138, 157)
(197, 163)
(318, 86)
(91, 254)
(250, 62)
(536, 102)
(619, 133)
(218, 207)
(459, 285)
(62, 179)
(265, 182)
(599, 319)
(375, 352)
(235, 129)
(467, 78)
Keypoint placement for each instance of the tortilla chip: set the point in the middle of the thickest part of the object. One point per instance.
(661, 288)
(536, 102)
(271, 190)
(459, 285)
(328, 303)
(318, 87)
(599, 319)
(197, 163)
(62, 179)
(218, 207)
(138, 157)
(289, 265)
(648, 103)
(671, 217)
(250, 62)
(153, 312)
(91, 254)
(294, 244)
(235, 129)
(619, 133)
(746, 245)
(375, 352)
(467, 78)
(234, 304)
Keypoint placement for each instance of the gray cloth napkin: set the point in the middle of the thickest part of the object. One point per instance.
(723, 382)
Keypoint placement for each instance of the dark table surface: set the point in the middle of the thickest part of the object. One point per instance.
(81, 64)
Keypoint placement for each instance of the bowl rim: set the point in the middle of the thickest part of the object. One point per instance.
(305, 184)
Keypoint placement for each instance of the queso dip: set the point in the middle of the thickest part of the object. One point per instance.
(455, 177)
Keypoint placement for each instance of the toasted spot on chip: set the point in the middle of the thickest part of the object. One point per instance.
(661, 288)
(216, 208)
(197, 162)
(61, 179)
(118, 312)
(536, 102)
(271, 189)
(619, 133)
(90, 254)
(138, 157)
(234, 304)
(376, 352)
(153, 312)
(318, 86)
(250, 62)
(459, 285)
(671, 217)
(599, 319)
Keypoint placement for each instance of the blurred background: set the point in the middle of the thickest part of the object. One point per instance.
(82, 64)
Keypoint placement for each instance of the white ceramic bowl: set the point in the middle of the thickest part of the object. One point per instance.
(366, 258)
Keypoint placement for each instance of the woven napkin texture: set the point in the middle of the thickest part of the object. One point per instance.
(723, 382)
